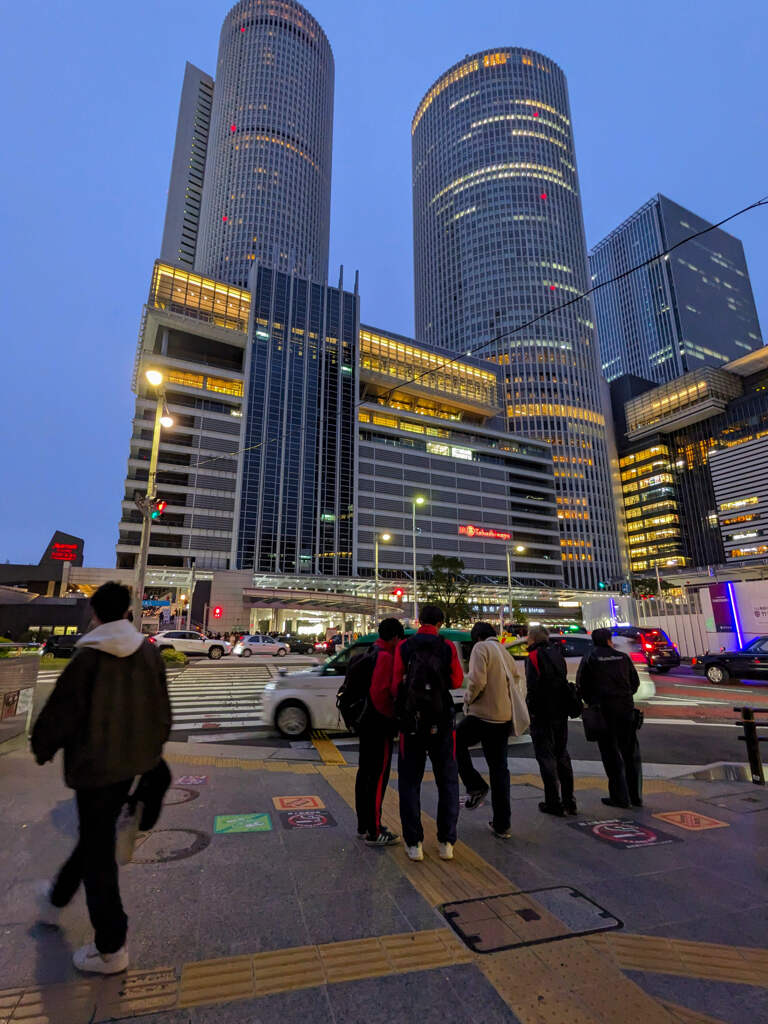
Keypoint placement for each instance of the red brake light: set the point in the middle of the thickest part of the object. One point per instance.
(648, 647)
(151, 639)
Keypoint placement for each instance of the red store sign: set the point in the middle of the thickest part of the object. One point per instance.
(484, 532)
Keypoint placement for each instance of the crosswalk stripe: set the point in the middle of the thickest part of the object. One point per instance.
(204, 700)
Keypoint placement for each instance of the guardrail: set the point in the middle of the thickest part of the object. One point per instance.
(753, 742)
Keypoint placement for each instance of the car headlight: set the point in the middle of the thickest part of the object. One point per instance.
(270, 686)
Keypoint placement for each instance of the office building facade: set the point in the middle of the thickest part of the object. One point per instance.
(740, 482)
(672, 437)
(432, 429)
(185, 191)
(690, 310)
(499, 244)
(296, 488)
(194, 330)
(267, 190)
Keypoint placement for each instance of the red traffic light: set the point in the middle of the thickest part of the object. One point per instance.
(217, 612)
(158, 507)
(398, 592)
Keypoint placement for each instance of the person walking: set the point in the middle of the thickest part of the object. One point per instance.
(492, 707)
(376, 729)
(110, 713)
(608, 679)
(548, 703)
(426, 669)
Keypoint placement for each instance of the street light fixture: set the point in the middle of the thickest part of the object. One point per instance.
(519, 548)
(418, 500)
(382, 537)
(162, 419)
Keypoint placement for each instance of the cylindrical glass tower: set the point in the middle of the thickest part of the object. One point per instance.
(498, 241)
(267, 191)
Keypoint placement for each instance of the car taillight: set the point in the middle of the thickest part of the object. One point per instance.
(648, 647)
(151, 639)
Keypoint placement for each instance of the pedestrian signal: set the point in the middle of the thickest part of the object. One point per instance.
(217, 612)
(398, 593)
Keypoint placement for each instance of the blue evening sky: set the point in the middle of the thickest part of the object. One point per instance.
(667, 96)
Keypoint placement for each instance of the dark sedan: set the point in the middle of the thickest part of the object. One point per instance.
(659, 651)
(60, 646)
(751, 662)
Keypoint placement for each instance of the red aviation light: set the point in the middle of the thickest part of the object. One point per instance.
(543, 195)
(233, 127)
(552, 287)
(535, 113)
(225, 218)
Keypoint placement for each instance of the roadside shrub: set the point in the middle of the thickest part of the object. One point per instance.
(6, 652)
(171, 657)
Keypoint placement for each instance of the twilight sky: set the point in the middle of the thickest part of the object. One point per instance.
(667, 96)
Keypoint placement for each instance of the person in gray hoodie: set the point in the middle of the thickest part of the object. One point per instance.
(110, 714)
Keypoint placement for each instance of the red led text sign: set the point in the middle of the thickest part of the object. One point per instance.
(484, 532)
(64, 552)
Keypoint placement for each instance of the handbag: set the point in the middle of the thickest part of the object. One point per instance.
(594, 722)
(521, 718)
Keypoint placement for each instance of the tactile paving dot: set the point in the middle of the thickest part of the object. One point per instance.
(521, 919)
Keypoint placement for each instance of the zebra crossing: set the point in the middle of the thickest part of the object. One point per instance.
(212, 698)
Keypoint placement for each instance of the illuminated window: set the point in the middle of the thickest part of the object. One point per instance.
(727, 506)
(225, 387)
(188, 380)
(438, 449)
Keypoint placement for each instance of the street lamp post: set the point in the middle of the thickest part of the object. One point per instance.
(155, 378)
(384, 537)
(418, 500)
(520, 548)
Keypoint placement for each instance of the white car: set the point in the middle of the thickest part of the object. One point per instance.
(576, 645)
(189, 641)
(299, 701)
(258, 643)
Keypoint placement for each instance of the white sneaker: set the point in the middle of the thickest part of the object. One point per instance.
(445, 851)
(46, 912)
(89, 959)
(415, 852)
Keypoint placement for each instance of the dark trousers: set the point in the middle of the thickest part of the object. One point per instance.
(620, 752)
(493, 737)
(373, 772)
(93, 863)
(550, 745)
(411, 761)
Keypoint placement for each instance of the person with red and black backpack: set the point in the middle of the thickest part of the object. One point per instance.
(426, 669)
(366, 704)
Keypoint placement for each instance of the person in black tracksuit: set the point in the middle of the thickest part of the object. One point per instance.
(546, 676)
(607, 678)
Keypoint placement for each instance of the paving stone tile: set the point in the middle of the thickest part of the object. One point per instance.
(335, 917)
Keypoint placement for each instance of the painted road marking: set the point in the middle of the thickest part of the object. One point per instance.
(297, 803)
(691, 821)
(624, 834)
(229, 823)
(192, 780)
(307, 819)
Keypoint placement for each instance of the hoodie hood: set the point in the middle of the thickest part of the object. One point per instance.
(120, 638)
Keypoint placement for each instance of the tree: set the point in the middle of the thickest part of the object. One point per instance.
(447, 587)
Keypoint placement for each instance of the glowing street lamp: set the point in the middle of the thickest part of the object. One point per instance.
(418, 500)
(385, 537)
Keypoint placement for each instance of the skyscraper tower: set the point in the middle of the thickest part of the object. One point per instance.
(267, 192)
(499, 240)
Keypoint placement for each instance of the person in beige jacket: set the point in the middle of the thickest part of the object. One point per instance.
(493, 707)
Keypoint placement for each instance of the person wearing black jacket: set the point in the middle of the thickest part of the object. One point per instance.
(608, 679)
(111, 715)
(547, 697)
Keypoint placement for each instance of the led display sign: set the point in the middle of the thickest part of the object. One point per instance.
(483, 532)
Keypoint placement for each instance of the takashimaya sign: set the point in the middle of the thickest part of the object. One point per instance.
(483, 532)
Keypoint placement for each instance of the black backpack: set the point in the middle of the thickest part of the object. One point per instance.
(352, 700)
(424, 704)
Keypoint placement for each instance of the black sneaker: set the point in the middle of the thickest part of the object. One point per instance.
(546, 808)
(506, 834)
(613, 803)
(384, 838)
(570, 807)
(475, 799)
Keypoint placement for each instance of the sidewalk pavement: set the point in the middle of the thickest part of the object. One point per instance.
(294, 919)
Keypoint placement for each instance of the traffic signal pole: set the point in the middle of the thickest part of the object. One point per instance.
(146, 520)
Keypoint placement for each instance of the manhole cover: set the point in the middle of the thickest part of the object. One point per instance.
(168, 844)
(526, 918)
(179, 795)
(742, 803)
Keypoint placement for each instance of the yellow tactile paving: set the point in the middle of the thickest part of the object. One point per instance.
(216, 981)
(326, 748)
(137, 992)
(245, 764)
(738, 964)
(686, 1016)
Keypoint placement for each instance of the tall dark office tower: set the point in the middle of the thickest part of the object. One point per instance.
(185, 192)
(297, 487)
(499, 240)
(267, 194)
(693, 309)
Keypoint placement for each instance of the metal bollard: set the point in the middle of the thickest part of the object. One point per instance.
(752, 741)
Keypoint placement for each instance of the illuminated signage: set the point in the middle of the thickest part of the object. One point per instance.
(483, 532)
(64, 552)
